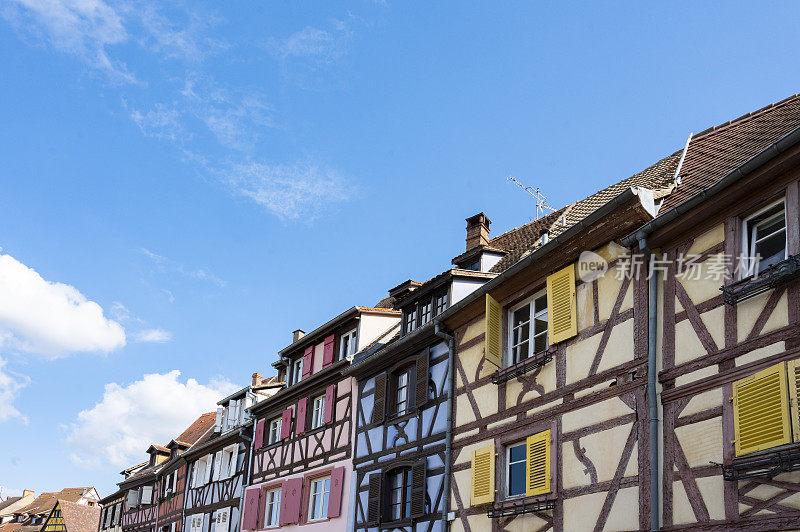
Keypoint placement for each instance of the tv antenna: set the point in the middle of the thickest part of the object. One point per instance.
(541, 199)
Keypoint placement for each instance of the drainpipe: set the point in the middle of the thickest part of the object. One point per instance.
(250, 459)
(448, 442)
(652, 397)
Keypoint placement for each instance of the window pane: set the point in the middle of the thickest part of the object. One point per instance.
(516, 470)
(771, 250)
(522, 315)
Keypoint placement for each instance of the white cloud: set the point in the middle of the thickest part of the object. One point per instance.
(156, 336)
(38, 316)
(6, 492)
(84, 28)
(301, 191)
(155, 409)
(10, 385)
(161, 122)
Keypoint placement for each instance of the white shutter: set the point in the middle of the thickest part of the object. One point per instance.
(234, 457)
(218, 421)
(207, 469)
(147, 494)
(133, 498)
(217, 464)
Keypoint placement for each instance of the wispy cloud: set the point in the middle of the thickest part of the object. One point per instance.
(11, 384)
(299, 191)
(165, 264)
(154, 336)
(83, 28)
(166, 37)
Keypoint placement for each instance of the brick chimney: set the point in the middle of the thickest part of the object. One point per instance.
(477, 230)
(256, 379)
(297, 334)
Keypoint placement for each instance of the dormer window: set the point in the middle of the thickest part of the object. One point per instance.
(424, 310)
(348, 344)
(296, 370)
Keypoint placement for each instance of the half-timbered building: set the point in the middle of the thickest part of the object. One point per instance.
(302, 449)
(403, 412)
(550, 416)
(32, 516)
(219, 462)
(68, 516)
(111, 516)
(154, 492)
(727, 247)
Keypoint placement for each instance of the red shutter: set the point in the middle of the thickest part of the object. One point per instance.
(302, 414)
(286, 423)
(335, 497)
(308, 361)
(262, 506)
(328, 351)
(330, 402)
(250, 519)
(291, 492)
(258, 442)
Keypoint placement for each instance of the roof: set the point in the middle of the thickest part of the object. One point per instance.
(519, 240)
(19, 527)
(45, 501)
(8, 502)
(197, 429)
(715, 152)
(79, 517)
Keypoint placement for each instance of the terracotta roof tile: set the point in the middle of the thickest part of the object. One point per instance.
(197, 429)
(79, 517)
(715, 152)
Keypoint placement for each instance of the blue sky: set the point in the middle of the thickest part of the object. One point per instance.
(183, 184)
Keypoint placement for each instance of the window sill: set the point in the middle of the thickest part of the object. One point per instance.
(537, 360)
(766, 464)
(521, 505)
(749, 287)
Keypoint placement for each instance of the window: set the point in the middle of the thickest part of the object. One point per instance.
(318, 412)
(274, 431)
(348, 344)
(221, 521)
(516, 461)
(228, 466)
(202, 471)
(410, 319)
(297, 370)
(528, 331)
(318, 501)
(764, 239)
(425, 312)
(402, 388)
(399, 496)
(441, 303)
(272, 508)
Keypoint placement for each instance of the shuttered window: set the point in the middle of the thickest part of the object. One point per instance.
(563, 322)
(374, 498)
(379, 399)
(793, 369)
(492, 339)
(421, 375)
(482, 476)
(537, 471)
(761, 412)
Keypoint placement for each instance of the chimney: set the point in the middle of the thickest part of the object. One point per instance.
(256, 379)
(25, 493)
(296, 335)
(477, 231)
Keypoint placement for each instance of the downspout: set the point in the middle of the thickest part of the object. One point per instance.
(652, 397)
(448, 442)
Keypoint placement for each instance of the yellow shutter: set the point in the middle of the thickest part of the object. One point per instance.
(562, 322)
(482, 476)
(537, 467)
(761, 410)
(794, 396)
(492, 337)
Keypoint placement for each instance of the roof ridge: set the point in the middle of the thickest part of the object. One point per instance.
(746, 116)
(523, 226)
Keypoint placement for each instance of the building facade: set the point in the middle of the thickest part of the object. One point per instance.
(302, 450)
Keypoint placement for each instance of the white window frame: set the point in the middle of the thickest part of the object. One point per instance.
(748, 243)
(531, 335)
(297, 370)
(222, 520)
(351, 338)
(318, 412)
(507, 487)
(229, 458)
(324, 491)
(272, 508)
(274, 431)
